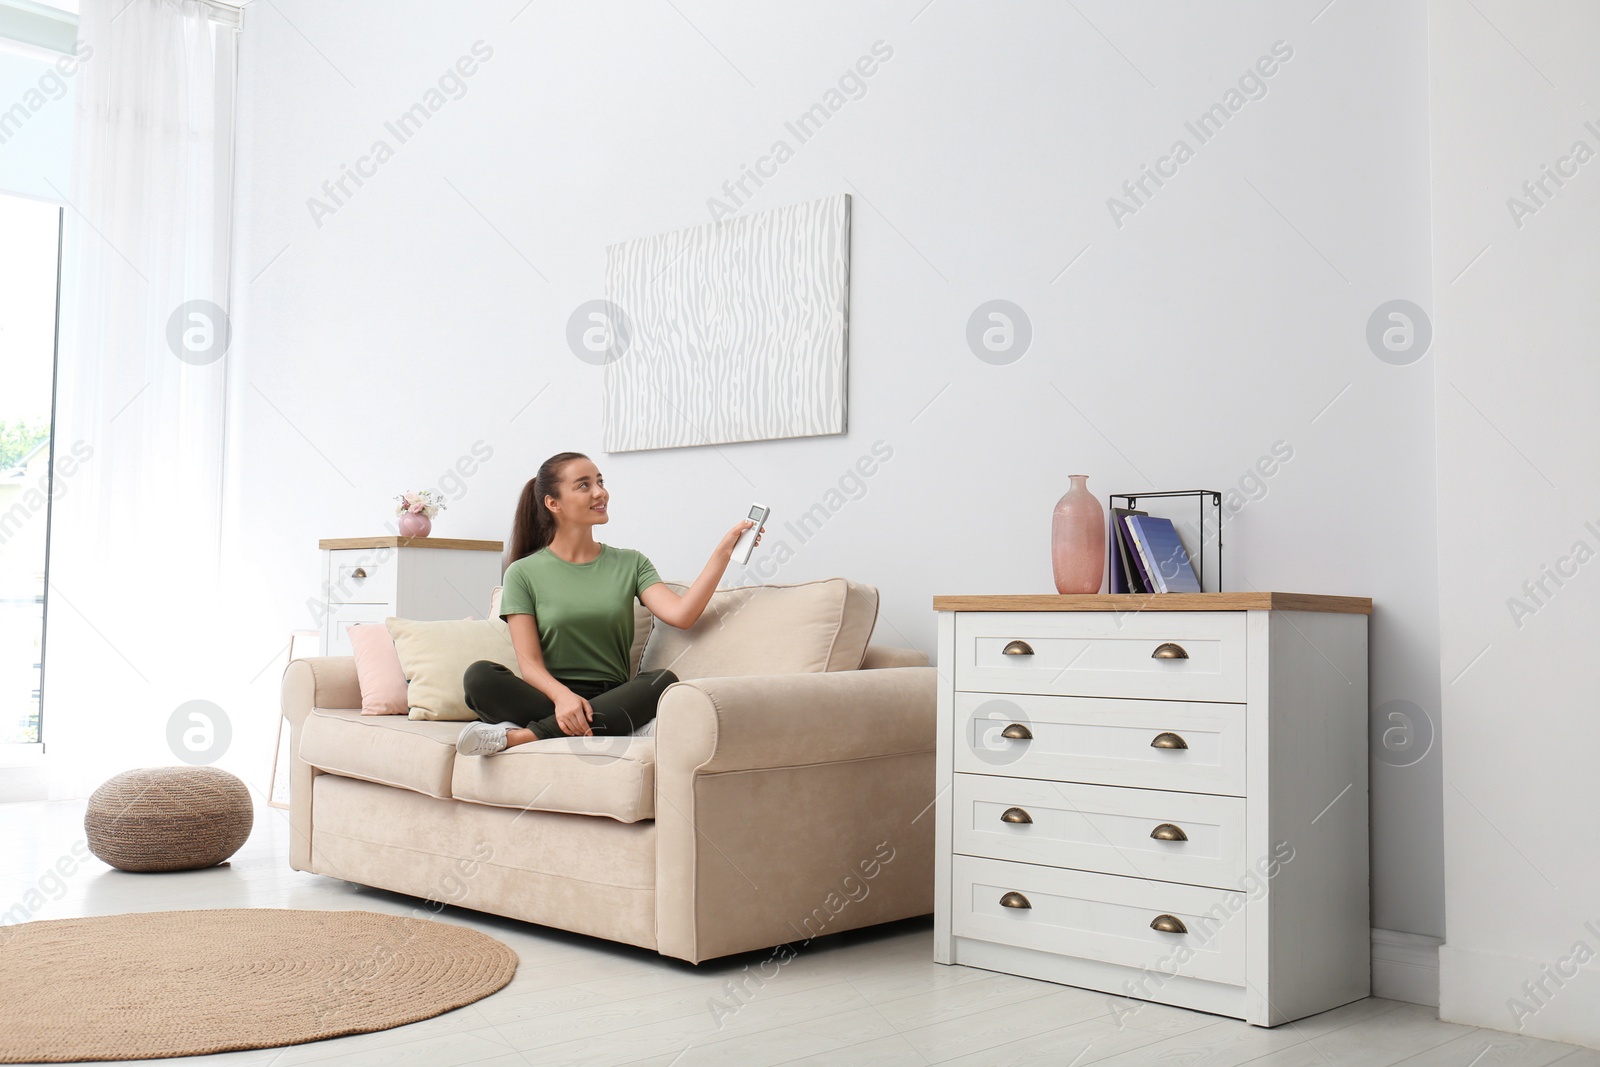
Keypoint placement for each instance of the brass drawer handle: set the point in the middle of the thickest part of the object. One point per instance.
(1015, 815)
(1168, 924)
(359, 572)
(1168, 832)
(1017, 900)
(1018, 648)
(1017, 732)
(1168, 740)
(1168, 650)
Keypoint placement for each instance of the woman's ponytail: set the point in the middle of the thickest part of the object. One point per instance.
(533, 526)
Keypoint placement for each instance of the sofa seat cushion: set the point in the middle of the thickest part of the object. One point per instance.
(389, 750)
(613, 776)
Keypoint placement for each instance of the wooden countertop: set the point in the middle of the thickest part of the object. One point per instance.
(1251, 601)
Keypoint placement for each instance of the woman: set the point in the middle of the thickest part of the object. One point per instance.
(568, 600)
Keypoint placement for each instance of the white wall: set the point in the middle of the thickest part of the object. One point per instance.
(1225, 315)
(1518, 384)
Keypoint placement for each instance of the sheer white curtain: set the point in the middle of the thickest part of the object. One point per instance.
(133, 625)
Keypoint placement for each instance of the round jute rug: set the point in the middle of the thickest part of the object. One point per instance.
(183, 983)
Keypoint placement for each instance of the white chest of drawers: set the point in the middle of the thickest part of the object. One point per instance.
(368, 579)
(1163, 798)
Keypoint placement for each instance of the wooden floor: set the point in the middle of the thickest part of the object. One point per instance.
(870, 997)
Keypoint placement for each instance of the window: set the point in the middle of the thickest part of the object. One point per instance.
(30, 249)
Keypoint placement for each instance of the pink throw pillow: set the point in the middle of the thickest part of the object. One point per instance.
(383, 683)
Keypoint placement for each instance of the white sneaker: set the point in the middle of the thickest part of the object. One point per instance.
(483, 738)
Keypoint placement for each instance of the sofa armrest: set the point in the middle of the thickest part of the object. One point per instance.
(879, 656)
(318, 682)
(710, 725)
(789, 806)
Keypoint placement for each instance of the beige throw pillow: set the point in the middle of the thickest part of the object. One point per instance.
(435, 655)
(643, 622)
(802, 628)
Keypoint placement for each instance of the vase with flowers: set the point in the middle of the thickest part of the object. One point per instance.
(416, 509)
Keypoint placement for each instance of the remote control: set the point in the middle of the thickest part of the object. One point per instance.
(747, 540)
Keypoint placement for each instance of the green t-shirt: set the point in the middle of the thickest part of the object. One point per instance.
(583, 611)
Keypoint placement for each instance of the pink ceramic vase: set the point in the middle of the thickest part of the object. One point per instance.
(1078, 539)
(415, 524)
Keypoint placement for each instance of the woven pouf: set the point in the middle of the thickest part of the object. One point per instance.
(168, 818)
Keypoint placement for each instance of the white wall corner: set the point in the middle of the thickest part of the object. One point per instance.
(1405, 967)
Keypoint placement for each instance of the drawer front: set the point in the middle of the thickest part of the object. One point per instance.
(1102, 917)
(1103, 653)
(1138, 833)
(1145, 744)
(342, 615)
(362, 576)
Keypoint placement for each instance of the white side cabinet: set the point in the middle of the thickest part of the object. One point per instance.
(368, 579)
(1163, 798)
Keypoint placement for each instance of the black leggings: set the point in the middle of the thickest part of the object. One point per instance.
(497, 694)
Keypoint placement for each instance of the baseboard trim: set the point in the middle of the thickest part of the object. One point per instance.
(1405, 967)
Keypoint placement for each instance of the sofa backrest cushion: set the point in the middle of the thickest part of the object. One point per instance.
(800, 628)
(643, 622)
(435, 655)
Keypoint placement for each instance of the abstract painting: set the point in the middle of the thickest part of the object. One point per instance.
(737, 330)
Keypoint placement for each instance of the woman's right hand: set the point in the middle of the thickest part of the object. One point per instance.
(724, 550)
(573, 714)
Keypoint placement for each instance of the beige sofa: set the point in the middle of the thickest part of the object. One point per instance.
(766, 809)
